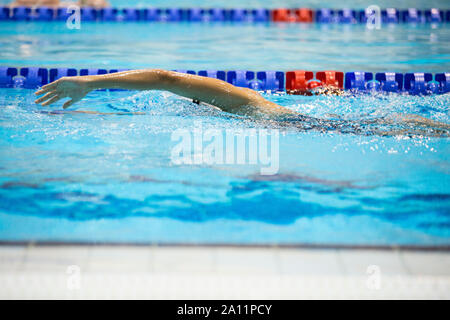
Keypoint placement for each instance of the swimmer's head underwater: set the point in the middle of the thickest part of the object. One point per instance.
(228, 98)
(318, 91)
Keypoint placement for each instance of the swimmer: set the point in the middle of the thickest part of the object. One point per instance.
(98, 4)
(35, 3)
(228, 98)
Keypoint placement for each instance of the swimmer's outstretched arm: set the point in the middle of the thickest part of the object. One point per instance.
(212, 91)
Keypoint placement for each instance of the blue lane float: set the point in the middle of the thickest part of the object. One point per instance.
(92, 72)
(271, 80)
(344, 16)
(4, 13)
(173, 15)
(268, 81)
(412, 15)
(241, 78)
(217, 74)
(347, 16)
(419, 83)
(358, 80)
(41, 14)
(34, 77)
(110, 14)
(390, 81)
(260, 15)
(56, 73)
(390, 15)
(238, 15)
(444, 81)
(21, 14)
(88, 14)
(434, 15)
(217, 14)
(62, 14)
(6, 77)
(324, 15)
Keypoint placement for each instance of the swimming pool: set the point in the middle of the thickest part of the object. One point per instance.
(90, 178)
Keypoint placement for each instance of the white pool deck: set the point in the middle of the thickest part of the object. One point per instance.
(36, 271)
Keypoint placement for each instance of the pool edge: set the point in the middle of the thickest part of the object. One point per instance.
(434, 248)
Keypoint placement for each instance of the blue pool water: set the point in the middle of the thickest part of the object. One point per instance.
(81, 177)
(197, 46)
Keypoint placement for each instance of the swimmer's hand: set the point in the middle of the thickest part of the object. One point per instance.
(75, 88)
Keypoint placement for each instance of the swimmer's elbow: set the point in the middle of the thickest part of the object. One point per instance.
(168, 79)
(160, 74)
(157, 78)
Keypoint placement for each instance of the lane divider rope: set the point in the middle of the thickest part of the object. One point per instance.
(291, 82)
(304, 15)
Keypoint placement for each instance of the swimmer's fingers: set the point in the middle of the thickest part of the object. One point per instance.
(47, 96)
(47, 88)
(69, 103)
(52, 100)
(41, 91)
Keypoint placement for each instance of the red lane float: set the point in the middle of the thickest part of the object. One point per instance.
(301, 81)
(304, 15)
(331, 78)
(297, 81)
(292, 15)
(281, 15)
